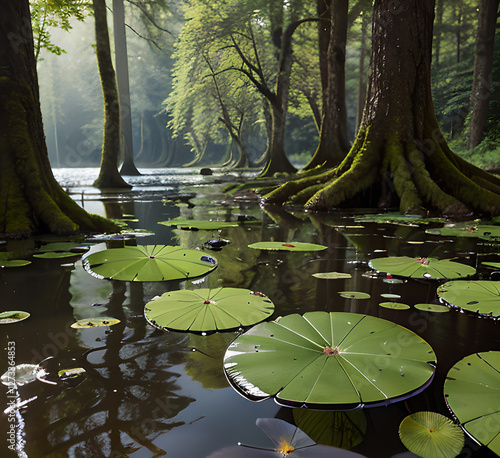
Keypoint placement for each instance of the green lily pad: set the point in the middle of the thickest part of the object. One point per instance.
(390, 296)
(331, 275)
(394, 305)
(472, 394)
(63, 246)
(287, 246)
(5, 261)
(324, 359)
(482, 231)
(137, 233)
(148, 263)
(109, 237)
(495, 265)
(432, 308)
(71, 373)
(56, 255)
(429, 268)
(94, 322)
(195, 225)
(354, 295)
(204, 310)
(392, 217)
(480, 296)
(431, 435)
(13, 316)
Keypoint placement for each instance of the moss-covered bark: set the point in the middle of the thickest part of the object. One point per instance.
(399, 156)
(31, 201)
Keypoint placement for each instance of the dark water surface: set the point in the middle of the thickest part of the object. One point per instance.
(148, 392)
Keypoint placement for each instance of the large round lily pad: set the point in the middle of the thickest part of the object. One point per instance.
(431, 435)
(481, 296)
(205, 310)
(148, 263)
(323, 359)
(287, 246)
(473, 395)
(430, 268)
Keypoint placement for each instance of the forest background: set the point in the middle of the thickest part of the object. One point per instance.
(191, 105)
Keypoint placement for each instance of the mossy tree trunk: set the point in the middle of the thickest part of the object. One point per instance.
(31, 200)
(360, 103)
(399, 156)
(109, 176)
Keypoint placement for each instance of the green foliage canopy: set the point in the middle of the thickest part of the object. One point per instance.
(46, 14)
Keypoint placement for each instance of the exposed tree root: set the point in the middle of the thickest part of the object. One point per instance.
(418, 180)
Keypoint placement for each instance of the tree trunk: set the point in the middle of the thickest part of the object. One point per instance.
(438, 29)
(268, 124)
(399, 156)
(122, 78)
(277, 160)
(109, 177)
(483, 65)
(234, 132)
(458, 28)
(323, 10)
(334, 142)
(32, 201)
(362, 71)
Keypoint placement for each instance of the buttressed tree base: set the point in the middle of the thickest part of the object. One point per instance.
(399, 156)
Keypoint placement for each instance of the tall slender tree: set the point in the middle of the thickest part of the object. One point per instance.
(122, 79)
(31, 199)
(334, 142)
(483, 66)
(109, 177)
(399, 156)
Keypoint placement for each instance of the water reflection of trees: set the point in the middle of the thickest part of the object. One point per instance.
(128, 398)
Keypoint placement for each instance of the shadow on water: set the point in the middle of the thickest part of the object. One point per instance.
(148, 392)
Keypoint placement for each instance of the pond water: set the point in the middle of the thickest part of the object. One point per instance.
(149, 392)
